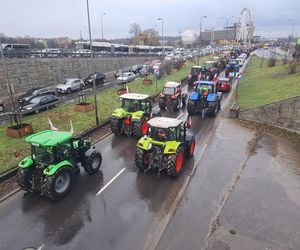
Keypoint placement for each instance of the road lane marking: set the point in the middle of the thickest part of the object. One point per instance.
(115, 177)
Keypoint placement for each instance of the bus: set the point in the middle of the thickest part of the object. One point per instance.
(16, 50)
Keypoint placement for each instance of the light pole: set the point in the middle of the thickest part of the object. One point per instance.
(212, 35)
(292, 34)
(200, 36)
(103, 14)
(162, 35)
(9, 88)
(92, 62)
(227, 21)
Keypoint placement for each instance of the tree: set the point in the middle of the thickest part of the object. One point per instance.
(134, 30)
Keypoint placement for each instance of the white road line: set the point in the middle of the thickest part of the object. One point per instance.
(115, 177)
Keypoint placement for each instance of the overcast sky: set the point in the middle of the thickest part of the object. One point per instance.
(55, 18)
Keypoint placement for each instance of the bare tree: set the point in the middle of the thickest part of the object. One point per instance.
(134, 30)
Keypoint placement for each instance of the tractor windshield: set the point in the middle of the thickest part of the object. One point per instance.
(130, 105)
(169, 91)
(42, 155)
(203, 88)
(162, 134)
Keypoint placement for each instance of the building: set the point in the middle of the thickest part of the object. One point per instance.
(218, 36)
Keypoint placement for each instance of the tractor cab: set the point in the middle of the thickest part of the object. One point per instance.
(205, 87)
(171, 89)
(195, 71)
(132, 102)
(211, 66)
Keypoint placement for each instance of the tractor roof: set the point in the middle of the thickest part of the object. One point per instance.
(49, 138)
(197, 67)
(172, 84)
(209, 61)
(134, 96)
(205, 83)
(223, 79)
(164, 122)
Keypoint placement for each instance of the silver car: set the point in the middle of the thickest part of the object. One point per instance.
(126, 77)
(70, 85)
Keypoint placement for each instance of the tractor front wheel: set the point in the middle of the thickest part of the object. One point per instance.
(59, 184)
(24, 178)
(141, 159)
(174, 163)
(93, 163)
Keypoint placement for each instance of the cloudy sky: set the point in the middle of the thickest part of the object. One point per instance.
(54, 18)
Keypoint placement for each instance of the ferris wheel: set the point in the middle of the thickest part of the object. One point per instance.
(245, 26)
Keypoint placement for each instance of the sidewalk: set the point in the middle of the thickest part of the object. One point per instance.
(244, 195)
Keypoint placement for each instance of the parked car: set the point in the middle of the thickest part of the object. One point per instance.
(120, 72)
(145, 70)
(70, 85)
(30, 94)
(39, 101)
(126, 77)
(136, 68)
(1, 106)
(99, 79)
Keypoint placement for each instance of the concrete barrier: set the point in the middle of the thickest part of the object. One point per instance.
(283, 114)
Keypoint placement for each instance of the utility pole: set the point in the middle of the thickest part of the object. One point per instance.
(162, 36)
(103, 14)
(200, 37)
(92, 62)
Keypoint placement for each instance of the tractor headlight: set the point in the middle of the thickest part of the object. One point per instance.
(149, 146)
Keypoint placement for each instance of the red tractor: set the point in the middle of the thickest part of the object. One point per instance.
(171, 97)
(223, 85)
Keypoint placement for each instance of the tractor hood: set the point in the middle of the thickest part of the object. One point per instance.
(146, 143)
(212, 97)
(194, 96)
(121, 113)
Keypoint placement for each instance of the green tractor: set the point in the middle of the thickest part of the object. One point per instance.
(132, 117)
(164, 146)
(54, 162)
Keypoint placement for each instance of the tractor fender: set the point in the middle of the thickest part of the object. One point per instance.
(118, 113)
(144, 143)
(137, 116)
(212, 97)
(26, 162)
(194, 96)
(51, 169)
(171, 147)
(89, 152)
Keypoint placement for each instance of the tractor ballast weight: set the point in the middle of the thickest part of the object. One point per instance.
(205, 99)
(132, 117)
(172, 97)
(54, 162)
(165, 146)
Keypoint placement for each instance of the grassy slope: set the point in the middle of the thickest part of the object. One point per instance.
(13, 150)
(265, 85)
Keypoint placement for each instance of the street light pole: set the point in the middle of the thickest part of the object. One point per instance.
(292, 34)
(103, 14)
(200, 36)
(227, 21)
(9, 89)
(162, 36)
(92, 63)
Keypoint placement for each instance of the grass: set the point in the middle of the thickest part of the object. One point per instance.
(12, 151)
(262, 85)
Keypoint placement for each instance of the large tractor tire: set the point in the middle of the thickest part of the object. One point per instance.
(24, 178)
(115, 126)
(93, 163)
(59, 184)
(174, 106)
(140, 128)
(215, 110)
(162, 105)
(190, 147)
(191, 108)
(141, 159)
(174, 163)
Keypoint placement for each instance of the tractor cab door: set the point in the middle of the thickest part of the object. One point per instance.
(146, 106)
(66, 151)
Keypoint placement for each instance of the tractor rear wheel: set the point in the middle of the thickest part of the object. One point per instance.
(115, 126)
(174, 163)
(59, 184)
(140, 128)
(93, 163)
(141, 159)
(24, 178)
(162, 105)
(191, 108)
(175, 105)
(190, 147)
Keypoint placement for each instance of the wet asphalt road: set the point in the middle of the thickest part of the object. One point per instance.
(121, 217)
